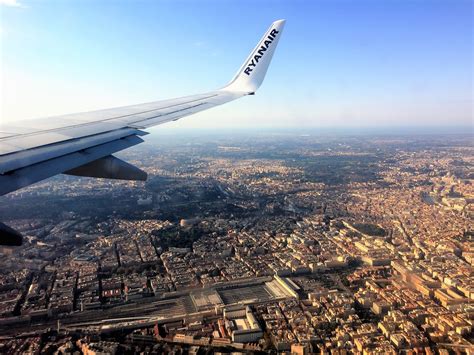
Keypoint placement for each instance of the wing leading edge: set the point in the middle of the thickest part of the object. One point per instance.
(83, 143)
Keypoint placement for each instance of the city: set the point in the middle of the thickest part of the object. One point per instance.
(250, 242)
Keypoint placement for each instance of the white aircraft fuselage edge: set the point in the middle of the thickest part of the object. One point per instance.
(82, 144)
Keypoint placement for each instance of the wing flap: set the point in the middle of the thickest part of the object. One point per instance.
(12, 162)
(37, 172)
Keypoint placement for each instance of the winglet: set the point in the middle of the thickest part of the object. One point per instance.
(251, 74)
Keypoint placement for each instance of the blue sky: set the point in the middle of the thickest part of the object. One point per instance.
(340, 63)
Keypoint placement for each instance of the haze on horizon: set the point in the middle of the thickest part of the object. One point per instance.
(340, 64)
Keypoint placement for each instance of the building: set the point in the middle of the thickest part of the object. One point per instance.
(242, 325)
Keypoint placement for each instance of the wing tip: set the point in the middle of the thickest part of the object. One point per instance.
(252, 72)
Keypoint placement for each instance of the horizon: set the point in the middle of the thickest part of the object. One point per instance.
(399, 131)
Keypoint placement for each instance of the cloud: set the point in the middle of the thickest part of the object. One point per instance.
(198, 44)
(11, 3)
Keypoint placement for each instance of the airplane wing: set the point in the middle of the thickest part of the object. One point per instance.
(83, 143)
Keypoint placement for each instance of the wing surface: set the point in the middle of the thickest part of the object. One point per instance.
(83, 143)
